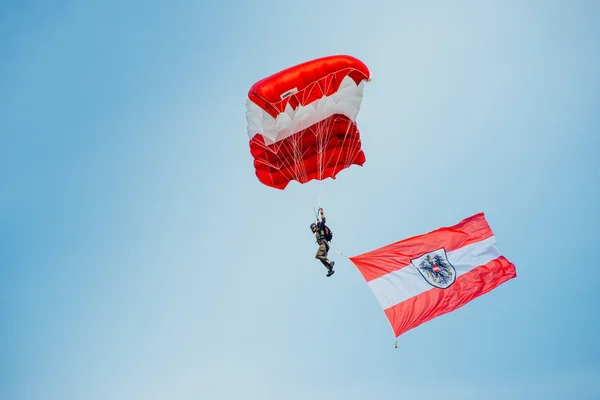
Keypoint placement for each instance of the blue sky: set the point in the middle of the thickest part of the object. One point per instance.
(141, 258)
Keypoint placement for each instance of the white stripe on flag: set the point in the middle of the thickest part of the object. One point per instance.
(401, 285)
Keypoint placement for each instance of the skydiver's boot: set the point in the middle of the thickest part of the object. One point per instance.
(330, 268)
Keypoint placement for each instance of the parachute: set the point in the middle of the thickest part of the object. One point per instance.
(301, 121)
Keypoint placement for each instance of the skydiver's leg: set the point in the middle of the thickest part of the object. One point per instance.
(330, 262)
(322, 255)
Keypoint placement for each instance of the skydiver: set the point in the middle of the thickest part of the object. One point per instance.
(321, 233)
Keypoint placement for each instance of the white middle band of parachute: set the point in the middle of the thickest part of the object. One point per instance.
(346, 101)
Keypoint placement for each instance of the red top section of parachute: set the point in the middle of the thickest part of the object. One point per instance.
(312, 79)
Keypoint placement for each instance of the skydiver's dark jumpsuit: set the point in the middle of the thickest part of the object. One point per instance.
(323, 245)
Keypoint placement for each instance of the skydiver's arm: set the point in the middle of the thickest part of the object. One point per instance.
(322, 216)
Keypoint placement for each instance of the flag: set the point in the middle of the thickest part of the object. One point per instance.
(423, 277)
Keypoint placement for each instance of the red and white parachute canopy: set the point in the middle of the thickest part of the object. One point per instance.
(301, 121)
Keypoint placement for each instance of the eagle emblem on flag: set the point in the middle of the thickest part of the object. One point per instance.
(435, 268)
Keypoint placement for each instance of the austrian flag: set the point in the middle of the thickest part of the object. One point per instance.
(423, 277)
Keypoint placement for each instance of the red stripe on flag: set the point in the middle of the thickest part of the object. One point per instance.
(435, 302)
(396, 256)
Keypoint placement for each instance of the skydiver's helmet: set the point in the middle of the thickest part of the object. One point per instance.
(313, 227)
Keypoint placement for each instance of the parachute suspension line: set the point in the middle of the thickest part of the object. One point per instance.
(316, 214)
(321, 133)
(322, 139)
(296, 158)
(324, 133)
(344, 141)
(294, 162)
(273, 149)
(319, 202)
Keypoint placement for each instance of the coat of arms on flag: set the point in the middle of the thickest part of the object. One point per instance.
(435, 268)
